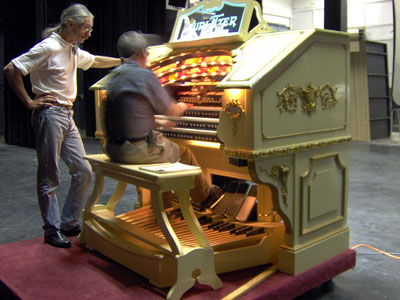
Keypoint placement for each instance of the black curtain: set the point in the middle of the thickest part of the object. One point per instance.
(24, 21)
(112, 18)
(19, 34)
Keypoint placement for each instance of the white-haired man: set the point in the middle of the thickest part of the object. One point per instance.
(52, 65)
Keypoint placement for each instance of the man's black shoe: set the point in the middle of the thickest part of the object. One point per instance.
(71, 232)
(215, 193)
(57, 239)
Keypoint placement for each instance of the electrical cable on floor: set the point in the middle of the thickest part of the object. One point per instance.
(377, 250)
(252, 283)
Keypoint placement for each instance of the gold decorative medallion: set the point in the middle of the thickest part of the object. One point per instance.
(308, 97)
(234, 110)
(287, 98)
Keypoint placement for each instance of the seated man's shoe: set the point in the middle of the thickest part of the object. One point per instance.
(215, 193)
(71, 232)
(57, 239)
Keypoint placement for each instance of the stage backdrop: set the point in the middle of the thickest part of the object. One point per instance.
(24, 22)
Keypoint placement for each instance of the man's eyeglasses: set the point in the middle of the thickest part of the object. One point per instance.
(87, 28)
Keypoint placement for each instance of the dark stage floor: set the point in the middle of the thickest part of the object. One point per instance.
(373, 214)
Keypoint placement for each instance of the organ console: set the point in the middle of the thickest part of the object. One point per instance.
(270, 121)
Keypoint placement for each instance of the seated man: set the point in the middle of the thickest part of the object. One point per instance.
(134, 97)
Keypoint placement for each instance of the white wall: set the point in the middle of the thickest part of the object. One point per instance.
(374, 16)
(278, 12)
(307, 14)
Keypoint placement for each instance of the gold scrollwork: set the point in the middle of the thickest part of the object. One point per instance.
(287, 98)
(234, 110)
(281, 173)
(328, 98)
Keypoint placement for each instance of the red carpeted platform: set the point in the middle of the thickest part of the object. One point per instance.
(31, 270)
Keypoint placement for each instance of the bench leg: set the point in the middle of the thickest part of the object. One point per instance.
(191, 219)
(91, 202)
(163, 222)
(198, 264)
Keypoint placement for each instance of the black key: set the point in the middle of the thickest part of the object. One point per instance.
(244, 230)
(255, 232)
(212, 226)
(226, 227)
(205, 220)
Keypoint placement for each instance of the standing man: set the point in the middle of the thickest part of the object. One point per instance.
(134, 96)
(52, 65)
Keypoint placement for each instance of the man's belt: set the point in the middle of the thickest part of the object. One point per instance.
(62, 105)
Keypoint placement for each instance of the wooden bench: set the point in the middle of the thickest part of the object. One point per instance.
(161, 259)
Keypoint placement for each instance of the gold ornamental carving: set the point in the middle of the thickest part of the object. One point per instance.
(288, 97)
(327, 95)
(102, 103)
(281, 173)
(234, 110)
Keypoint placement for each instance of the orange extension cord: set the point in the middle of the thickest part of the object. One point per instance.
(377, 250)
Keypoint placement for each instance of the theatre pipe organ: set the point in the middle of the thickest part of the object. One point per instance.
(268, 108)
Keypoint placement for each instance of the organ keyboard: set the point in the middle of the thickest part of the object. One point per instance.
(270, 121)
(191, 78)
(203, 128)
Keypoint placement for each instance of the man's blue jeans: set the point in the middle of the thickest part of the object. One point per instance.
(57, 136)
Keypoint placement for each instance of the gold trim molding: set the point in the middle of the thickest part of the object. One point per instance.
(234, 110)
(285, 150)
(309, 97)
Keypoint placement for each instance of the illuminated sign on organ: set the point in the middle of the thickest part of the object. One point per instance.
(210, 23)
(214, 24)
